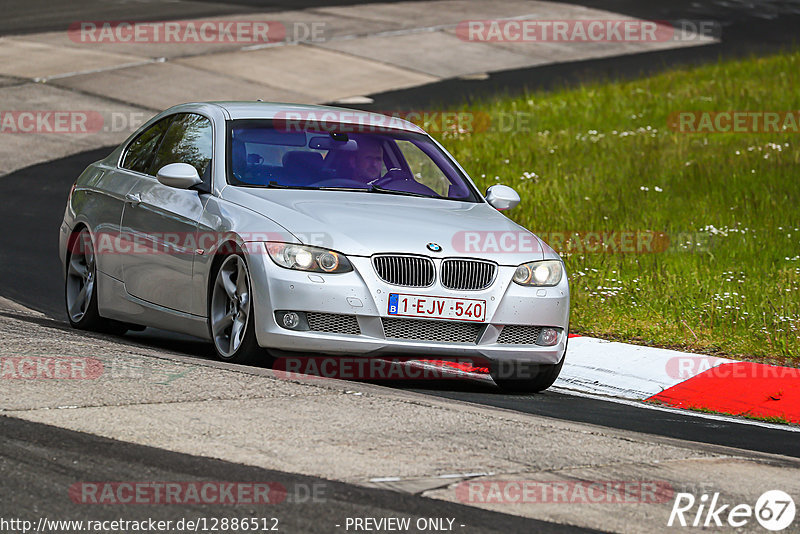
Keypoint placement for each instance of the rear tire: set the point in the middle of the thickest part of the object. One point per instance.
(80, 288)
(231, 316)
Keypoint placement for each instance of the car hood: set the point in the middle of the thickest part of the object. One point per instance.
(363, 224)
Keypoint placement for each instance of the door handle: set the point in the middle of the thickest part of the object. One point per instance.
(133, 200)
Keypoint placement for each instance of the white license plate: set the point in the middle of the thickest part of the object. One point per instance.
(437, 307)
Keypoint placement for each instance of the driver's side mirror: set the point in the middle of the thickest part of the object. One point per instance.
(502, 197)
(178, 175)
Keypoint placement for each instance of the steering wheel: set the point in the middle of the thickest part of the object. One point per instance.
(392, 175)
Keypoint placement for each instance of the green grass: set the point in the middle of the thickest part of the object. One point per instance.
(729, 282)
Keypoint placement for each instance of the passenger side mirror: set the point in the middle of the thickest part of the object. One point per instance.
(178, 175)
(502, 197)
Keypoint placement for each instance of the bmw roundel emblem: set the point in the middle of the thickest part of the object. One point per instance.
(433, 247)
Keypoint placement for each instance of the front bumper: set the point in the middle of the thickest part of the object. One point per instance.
(364, 296)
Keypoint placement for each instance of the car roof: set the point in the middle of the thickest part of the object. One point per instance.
(327, 114)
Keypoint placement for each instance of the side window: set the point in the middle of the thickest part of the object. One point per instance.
(140, 152)
(187, 140)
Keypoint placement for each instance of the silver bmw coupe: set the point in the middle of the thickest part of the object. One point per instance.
(274, 229)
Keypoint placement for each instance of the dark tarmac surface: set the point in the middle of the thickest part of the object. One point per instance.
(39, 463)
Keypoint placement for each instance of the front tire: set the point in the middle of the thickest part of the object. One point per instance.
(516, 377)
(526, 377)
(231, 317)
(80, 288)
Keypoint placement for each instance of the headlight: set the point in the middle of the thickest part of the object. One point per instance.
(539, 273)
(303, 258)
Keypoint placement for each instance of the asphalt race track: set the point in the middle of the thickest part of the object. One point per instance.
(35, 16)
(39, 464)
(31, 209)
(747, 28)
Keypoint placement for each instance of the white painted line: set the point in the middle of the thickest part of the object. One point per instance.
(447, 477)
(45, 79)
(467, 475)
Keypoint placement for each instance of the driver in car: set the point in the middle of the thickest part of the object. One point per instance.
(368, 160)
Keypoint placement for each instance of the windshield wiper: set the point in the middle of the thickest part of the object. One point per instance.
(379, 189)
(362, 189)
(369, 189)
(276, 185)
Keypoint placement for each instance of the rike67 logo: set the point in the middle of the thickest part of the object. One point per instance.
(774, 510)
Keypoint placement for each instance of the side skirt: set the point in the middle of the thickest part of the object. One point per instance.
(114, 302)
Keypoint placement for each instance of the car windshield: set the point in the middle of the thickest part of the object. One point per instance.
(389, 161)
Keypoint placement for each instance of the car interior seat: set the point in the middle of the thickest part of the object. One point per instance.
(302, 167)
